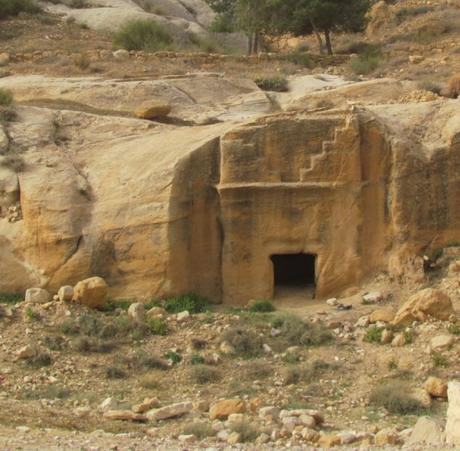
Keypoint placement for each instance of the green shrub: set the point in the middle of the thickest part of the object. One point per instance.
(365, 64)
(198, 343)
(173, 356)
(122, 304)
(292, 375)
(196, 359)
(374, 334)
(143, 35)
(454, 329)
(11, 298)
(203, 44)
(90, 344)
(409, 336)
(90, 325)
(203, 374)
(191, 302)
(245, 342)
(153, 362)
(439, 360)
(14, 7)
(262, 307)
(200, 430)
(32, 314)
(54, 343)
(158, 326)
(361, 48)
(258, 370)
(6, 97)
(222, 23)
(57, 392)
(301, 59)
(396, 398)
(248, 431)
(294, 331)
(40, 360)
(278, 84)
(115, 372)
(406, 13)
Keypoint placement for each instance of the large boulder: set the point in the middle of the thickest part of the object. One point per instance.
(91, 292)
(37, 296)
(171, 411)
(222, 409)
(453, 413)
(436, 387)
(153, 109)
(427, 432)
(425, 303)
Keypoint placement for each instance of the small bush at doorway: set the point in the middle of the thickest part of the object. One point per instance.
(262, 307)
(143, 35)
(190, 302)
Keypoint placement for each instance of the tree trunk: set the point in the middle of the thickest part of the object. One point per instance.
(250, 43)
(318, 38)
(256, 42)
(327, 34)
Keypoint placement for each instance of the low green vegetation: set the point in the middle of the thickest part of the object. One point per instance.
(262, 307)
(374, 334)
(145, 35)
(11, 298)
(10, 8)
(174, 357)
(32, 315)
(248, 431)
(278, 84)
(204, 374)
(365, 64)
(196, 359)
(191, 302)
(115, 372)
(200, 430)
(158, 327)
(294, 331)
(454, 329)
(6, 97)
(39, 360)
(407, 13)
(301, 59)
(244, 341)
(87, 345)
(439, 360)
(396, 397)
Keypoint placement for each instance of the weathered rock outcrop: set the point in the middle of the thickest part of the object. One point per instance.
(161, 209)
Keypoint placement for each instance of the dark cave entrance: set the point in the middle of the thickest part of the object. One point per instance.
(296, 271)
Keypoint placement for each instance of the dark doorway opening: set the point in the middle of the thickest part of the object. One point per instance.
(294, 270)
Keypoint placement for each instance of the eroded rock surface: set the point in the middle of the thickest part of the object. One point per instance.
(159, 209)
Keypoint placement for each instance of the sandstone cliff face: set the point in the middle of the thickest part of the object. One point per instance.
(160, 209)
